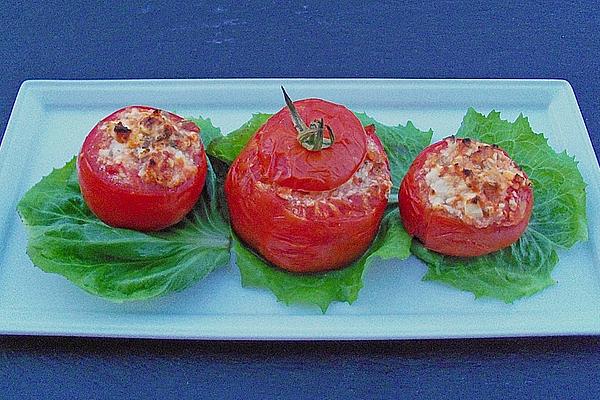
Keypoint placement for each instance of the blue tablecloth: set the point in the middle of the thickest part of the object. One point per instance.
(444, 39)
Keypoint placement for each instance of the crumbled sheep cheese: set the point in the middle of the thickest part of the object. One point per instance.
(474, 181)
(151, 146)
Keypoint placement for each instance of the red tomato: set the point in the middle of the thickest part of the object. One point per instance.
(463, 198)
(309, 211)
(142, 168)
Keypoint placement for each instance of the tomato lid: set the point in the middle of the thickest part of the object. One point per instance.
(284, 161)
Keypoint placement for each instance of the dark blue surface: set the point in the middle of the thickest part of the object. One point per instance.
(509, 39)
(551, 368)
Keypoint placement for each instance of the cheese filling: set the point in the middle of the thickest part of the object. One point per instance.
(148, 145)
(476, 182)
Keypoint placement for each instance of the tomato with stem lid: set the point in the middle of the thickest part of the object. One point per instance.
(304, 158)
(142, 168)
(309, 189)
(465, 198)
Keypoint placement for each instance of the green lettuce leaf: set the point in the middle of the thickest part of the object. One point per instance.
(401, 143)
(322, 289)
(208, 132)
(64, 237)
(558, 218)
(227, 148)
(509, 274)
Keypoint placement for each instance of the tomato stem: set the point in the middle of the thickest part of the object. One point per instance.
(310, 137)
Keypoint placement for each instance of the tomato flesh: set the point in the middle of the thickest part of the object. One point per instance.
(446, 233)
(132, 202)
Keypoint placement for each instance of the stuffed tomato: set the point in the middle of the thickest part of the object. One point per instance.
(142, 168)
(310, 188)
(465, 198)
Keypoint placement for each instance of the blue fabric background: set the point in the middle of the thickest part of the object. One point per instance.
(443, 39)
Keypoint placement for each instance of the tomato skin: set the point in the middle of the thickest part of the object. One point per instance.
(285, 162)
(145, 207)
(263, 220)
(447, 234)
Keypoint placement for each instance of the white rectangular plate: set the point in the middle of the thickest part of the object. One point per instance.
(51, 118)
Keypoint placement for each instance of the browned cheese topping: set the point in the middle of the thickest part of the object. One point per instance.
(149, 145)
(474, 181)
